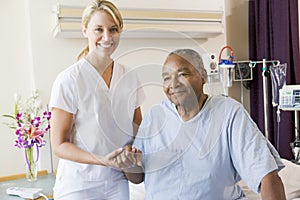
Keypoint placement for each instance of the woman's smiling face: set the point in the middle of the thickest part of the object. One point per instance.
(102, 32)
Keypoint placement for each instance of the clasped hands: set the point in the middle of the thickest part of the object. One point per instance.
(128, 159)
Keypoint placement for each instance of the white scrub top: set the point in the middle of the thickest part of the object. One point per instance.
(103, 118)
(205, 157)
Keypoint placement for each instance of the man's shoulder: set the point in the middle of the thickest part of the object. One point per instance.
(224, 100)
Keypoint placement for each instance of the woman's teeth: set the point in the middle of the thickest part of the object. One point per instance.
(105, 45)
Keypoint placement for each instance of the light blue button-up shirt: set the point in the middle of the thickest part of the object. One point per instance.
(205, 157)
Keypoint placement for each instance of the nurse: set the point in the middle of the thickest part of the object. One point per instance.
(95, 105)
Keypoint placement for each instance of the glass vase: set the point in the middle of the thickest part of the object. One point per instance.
(30, 165)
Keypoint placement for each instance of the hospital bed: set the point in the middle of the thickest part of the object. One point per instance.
(290, 176)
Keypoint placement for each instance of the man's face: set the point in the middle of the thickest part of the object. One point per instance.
(182, 83)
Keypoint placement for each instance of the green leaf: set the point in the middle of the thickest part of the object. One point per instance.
(13, 127)
(9, 116)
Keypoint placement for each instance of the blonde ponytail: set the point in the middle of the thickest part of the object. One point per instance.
(83, 53)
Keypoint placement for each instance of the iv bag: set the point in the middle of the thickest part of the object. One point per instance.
(278, 77)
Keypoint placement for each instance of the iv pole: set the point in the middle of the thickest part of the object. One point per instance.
(265, 88)
(296, 144)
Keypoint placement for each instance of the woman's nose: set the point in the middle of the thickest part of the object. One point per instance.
(106, 35)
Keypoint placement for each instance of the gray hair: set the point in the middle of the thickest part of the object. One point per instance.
(192, 57)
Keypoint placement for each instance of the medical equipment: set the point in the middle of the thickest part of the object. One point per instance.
(265, 73)
(289, 97)
(224, 71)
(242, 71)
(296, 151)
(210, 63)
(278, 80)
(289, 100)
(226, 75)
(226, 67)
(278, 77)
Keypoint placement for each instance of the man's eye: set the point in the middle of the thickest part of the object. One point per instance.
(166, 78)
(183, 74)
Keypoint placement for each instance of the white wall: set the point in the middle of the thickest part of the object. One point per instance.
(15, 77)
(31, 59)
(215, 5)
(237, 37)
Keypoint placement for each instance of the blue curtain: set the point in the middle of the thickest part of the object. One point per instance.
(274, 35)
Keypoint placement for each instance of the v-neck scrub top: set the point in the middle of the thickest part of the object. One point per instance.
(103, 119)
(206, 156)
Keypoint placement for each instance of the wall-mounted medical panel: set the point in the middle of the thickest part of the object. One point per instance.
(147, 23)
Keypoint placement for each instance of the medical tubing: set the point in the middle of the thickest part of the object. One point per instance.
(278, 126)
(231, 53)
(278, 114)
(242, 87)
(297, 129)
(227, 64)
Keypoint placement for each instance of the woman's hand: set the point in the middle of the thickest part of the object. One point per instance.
(133, 154)
(123, 158)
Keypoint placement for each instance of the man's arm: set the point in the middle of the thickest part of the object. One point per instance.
(135, 174)
(272, 187)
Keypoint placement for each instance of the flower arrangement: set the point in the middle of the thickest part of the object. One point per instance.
(31, 123)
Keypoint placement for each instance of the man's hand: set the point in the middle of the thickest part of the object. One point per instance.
(126, 158)
(133, 156)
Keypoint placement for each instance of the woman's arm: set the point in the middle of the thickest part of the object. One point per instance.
(272, 187)
(62, 124)
(135, 174)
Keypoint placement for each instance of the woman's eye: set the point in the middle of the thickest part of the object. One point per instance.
(114, 30)
(98, 30)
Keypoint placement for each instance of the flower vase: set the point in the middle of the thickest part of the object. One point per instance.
(31, 165)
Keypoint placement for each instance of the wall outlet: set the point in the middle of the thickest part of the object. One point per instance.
(210, 62)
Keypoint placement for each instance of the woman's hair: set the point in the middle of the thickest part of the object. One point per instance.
(100, 5)
(192, 57)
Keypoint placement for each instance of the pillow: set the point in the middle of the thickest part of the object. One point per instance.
(290, 176)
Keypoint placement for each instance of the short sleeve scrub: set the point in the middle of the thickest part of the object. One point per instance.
(103, 123)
